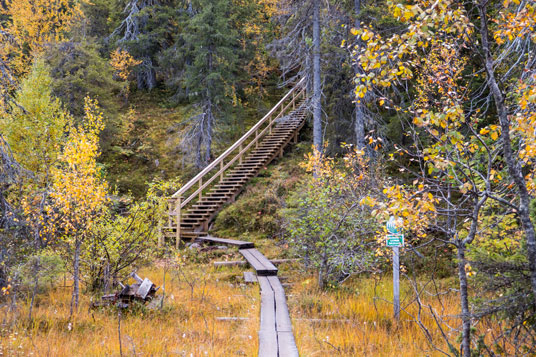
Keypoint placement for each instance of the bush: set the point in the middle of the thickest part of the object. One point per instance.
(39, 272)
(329, 221)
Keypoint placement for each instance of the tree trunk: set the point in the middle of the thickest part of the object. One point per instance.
(209, 120)
(317, 86)
(514, 167)
(36, 269)
(76, 276)
(465, 348)
(359, 125)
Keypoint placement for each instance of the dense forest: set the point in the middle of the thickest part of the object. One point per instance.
(419, 113)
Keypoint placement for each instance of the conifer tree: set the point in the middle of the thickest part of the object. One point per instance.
(206, 68)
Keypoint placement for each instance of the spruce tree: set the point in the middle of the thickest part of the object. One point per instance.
(205, 69)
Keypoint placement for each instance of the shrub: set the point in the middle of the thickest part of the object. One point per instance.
(329, 220)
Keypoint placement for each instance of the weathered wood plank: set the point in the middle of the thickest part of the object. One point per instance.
(254, 262)
(136, 277)
(239, 243)
(229, 263)
(249, 277)
(286, 344)
(282, 317)
(259, 262)
(231, 318)
(144, 288)
(267, 333)
(268, 344)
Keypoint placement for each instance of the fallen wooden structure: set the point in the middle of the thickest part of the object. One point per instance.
(142, 291)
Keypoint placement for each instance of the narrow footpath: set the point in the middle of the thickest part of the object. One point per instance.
(275, 333)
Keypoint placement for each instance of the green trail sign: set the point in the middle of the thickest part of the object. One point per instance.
(395, 240)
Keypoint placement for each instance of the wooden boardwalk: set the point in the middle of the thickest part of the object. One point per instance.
(275, 333)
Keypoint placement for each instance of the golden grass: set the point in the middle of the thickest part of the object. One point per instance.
(186, 327)
(355, 320)
(359, 321)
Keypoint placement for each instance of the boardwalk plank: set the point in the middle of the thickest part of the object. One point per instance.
(286, 345)
(267, 334)
(283, 323)
(259, 262)
(238, 243)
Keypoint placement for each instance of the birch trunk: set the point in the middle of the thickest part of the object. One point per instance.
(359, 124)
(317, 86)
(514, 167)
(76, 276)
(465, 349)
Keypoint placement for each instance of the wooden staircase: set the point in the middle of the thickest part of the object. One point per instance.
(195, 205)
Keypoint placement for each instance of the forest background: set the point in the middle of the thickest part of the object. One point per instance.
(421, 110)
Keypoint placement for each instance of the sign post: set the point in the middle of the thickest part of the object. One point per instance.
(395, 239)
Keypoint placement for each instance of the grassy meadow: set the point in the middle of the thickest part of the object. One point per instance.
(353, 320)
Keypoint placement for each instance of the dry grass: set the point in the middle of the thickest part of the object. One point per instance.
(355, 320)
(187, 325)
(359, 321)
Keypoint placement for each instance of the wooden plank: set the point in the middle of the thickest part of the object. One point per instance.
(229, 263)
(249, 277)
(136, 277)
(144, 288)
(268, 344)
(264, 261)
(287, 345)
(231, 318)
(241, 262)
(254, 262)
(267, 333)
(259, 262)
(282, 317)
(239, 243)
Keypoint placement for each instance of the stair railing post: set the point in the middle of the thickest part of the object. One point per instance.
(200, 190)
(240, 154)
(293, 99)
(221, 170)
(257, 139)
(178, 204)
(169, 221)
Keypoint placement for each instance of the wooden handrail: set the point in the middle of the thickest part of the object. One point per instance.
(241, 141)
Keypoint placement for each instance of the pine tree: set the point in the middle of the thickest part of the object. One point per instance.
(205, 68)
